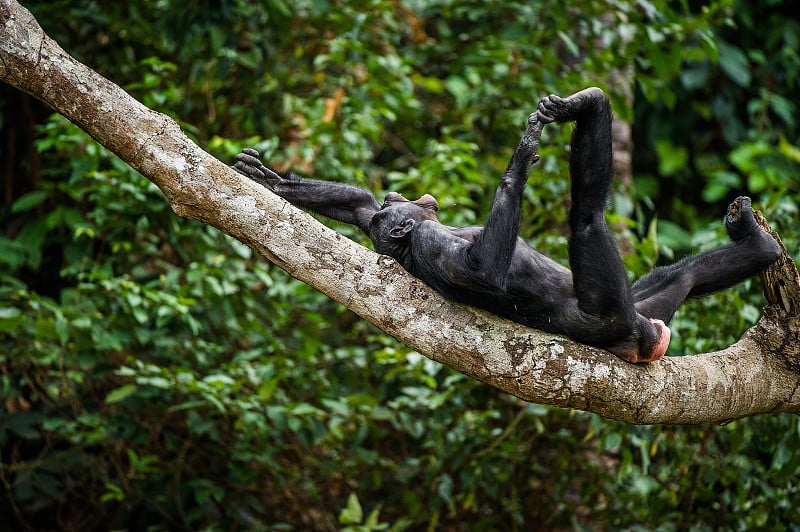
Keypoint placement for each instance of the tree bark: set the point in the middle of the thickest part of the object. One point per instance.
(758, 374)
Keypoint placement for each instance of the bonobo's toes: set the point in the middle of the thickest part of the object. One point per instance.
(557, 109)
(548, 108)
(739, 220)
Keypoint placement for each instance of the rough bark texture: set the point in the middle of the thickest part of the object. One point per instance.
(758, 374)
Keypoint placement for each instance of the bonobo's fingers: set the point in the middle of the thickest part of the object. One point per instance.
(557, 109)
(248, 164)
(250, 155)
(533, 133)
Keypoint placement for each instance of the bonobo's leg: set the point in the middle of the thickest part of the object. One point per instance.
(658, 294)
(606, 315)
(339, 201)
(598, 274)
(490, 255)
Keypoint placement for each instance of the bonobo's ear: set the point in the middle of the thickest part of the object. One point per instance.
(402, 229)
(429, 202)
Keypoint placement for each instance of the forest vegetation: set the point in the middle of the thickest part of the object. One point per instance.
(157, 374)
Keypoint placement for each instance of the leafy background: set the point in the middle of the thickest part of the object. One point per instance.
(156, 375)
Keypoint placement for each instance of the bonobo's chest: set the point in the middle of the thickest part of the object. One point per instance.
(442, 257)
(443, 246)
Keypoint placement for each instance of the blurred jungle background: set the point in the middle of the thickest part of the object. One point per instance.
(157, 375)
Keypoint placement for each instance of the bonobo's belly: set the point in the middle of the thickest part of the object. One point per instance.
(534, 290)
(537, 290)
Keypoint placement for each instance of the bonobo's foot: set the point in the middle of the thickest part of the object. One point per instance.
(249, 165)
(557, 109)
(533, 133)
(739, 220)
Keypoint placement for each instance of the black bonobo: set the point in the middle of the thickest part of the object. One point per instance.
(492, 268)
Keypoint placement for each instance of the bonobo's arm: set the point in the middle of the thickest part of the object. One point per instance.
(346, 203)
(492, 250)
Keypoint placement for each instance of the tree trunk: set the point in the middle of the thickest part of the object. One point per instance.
(758, 374)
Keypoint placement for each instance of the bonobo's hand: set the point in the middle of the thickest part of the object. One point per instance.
(248, 164)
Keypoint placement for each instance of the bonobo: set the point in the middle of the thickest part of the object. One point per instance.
(492, 268)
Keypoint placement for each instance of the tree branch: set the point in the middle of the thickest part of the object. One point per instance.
(758, 374)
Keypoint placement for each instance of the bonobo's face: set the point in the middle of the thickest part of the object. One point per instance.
(391, 225)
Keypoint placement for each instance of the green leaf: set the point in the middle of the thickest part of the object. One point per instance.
(719, 185)
(305, 409)
(11, 319)
(789, 151)
(671, 158)
(8, 313)
(570, 43)
(445, 488)
(28, 201)
(372, 522)
(352, 514)
(733, 62)
(612, 440)
(672, 235)
(459, 88)
(113, 493)
(115, 396)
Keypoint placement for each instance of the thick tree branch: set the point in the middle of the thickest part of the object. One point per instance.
(757, 374)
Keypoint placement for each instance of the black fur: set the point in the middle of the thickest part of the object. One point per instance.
(492, 268)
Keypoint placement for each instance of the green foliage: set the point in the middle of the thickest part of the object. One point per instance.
(155, 374)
